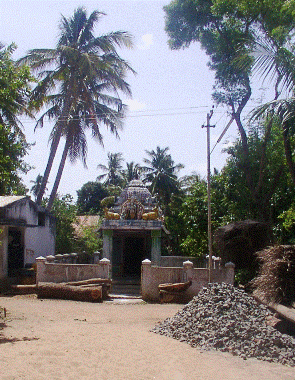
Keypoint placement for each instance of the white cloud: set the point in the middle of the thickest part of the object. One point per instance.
(146, 42)
(135, 105)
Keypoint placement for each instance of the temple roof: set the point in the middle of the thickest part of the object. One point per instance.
(136, 190)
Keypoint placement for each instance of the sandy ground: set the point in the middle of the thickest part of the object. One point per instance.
(54, 339)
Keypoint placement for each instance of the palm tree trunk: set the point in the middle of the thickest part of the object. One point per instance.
(288, 154)
(54, 146)
(58, 176)
(53, 150)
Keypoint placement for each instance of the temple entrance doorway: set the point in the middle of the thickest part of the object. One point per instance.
(15, 252)
(133, 254)
(129, 250)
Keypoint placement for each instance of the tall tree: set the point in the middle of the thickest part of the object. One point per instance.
(161, 174)
(227, 30)
(36, 185)
(275, 59)
(132, 171)
(14, 91)
(89, 197)
(113, 170)
(76, 79)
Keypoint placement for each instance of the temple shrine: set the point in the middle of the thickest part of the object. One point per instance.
(132, 231)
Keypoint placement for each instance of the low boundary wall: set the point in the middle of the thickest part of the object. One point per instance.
(152, 276)
(176, 261)
(63, 272)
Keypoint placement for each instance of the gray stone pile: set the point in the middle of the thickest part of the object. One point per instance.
(225, 318)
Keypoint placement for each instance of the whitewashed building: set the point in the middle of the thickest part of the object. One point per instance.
(27, 231)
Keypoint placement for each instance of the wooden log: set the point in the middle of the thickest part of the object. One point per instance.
(24, 289)
(105, 289)
(176, 287)
(90, 281)
(68, 292)
(104, 282)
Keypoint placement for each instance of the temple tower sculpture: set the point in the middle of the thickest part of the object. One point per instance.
(132, 231)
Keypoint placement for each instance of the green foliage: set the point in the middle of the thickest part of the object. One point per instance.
(87, 243)
(231, 197)
(263, 202)
(65, 213)
(12, 150)
(84, 241)
(108, 201)
(80, 82)
(89, 198)
(194, 215)
(286, 226)
(37, 184)
(132, 171)
(188, 217)
(113, 170)
(161, 175)
(244, 276)
(14, 91)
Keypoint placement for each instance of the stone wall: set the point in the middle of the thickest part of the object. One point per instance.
(152, 276)
(62, 272)
(176, 261)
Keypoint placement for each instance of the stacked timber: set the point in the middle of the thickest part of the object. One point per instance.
(92, 290)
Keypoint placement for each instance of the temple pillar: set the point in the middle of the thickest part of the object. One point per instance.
(107, 247)
(156, 247)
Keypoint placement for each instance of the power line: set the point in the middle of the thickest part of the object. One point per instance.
(151, 113)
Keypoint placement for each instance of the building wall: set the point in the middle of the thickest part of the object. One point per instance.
(152, 276)
(39, 241)
(56, 272)
(23, 210)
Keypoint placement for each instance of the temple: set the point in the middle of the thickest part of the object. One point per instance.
(132, 231)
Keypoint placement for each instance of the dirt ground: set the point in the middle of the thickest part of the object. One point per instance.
(54, 339)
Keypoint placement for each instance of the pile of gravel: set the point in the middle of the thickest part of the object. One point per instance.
(225, 318)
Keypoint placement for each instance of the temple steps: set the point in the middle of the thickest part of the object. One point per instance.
(126, 287)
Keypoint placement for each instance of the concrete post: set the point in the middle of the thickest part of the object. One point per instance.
(146, 274)
(107, 244)
(41, 265)
(105, 264)
(156, 247)
(229, 273)
(187, 270)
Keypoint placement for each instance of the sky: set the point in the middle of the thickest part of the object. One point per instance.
(171, 92)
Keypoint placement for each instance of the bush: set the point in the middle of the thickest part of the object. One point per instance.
(276, 277)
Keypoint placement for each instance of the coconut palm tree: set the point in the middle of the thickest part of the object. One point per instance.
(76, 79)
(113, 170)
(278, 61)
(36, 185)
(160, 174)
(132, 171)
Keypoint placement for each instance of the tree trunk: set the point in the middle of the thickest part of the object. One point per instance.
(288, 153)
(67, 292)
(52, 153)
(244, 139)
(58, 176)
(54, 146)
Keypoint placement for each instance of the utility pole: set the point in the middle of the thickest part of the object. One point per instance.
(208, 126)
